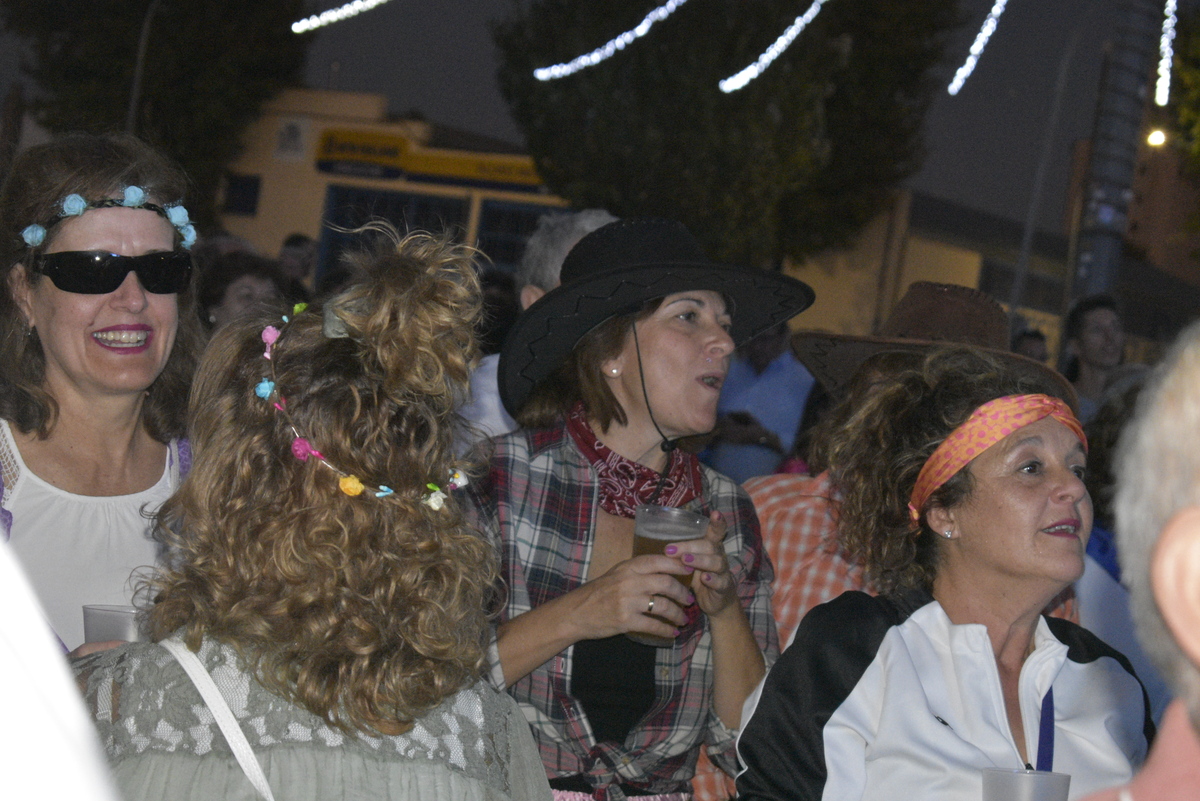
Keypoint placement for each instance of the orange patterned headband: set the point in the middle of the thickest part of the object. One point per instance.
(987, 425)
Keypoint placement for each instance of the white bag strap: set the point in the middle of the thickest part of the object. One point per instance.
(234, 735)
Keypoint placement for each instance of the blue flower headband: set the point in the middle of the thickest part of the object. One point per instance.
(133, 197)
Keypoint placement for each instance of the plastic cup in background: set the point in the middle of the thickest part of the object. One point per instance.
(103, 622)
(1003, 784)
(654, 528)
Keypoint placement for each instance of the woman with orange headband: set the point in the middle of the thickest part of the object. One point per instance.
(964, 499)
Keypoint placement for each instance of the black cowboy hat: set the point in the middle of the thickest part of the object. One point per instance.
(617, 268)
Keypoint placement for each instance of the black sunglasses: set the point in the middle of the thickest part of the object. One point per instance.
(95, 272)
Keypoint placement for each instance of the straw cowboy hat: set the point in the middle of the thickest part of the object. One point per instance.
(617, 268)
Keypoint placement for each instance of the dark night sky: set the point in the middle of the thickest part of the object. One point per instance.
(982, 145)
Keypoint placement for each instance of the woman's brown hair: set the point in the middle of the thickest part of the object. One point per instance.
(368, 611)
(580, 378)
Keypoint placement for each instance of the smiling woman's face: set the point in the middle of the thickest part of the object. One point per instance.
(110, 344)
(1028, 515)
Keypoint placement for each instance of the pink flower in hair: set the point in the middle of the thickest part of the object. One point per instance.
(302, 449)
(269, 335)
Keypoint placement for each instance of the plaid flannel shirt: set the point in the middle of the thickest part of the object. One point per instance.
(539, 505)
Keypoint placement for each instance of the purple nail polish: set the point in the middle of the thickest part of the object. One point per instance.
(689, 557)
(708, 577)
(671, 550)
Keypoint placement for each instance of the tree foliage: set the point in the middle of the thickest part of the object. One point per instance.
(797, 161)
(1185, 94)
(209, 66)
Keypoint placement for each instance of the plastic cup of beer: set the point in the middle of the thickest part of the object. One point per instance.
(1001, 784)
(655, 527)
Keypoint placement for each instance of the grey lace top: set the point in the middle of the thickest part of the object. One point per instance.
(163, 741)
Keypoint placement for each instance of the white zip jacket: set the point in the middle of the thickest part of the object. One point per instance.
(883, 698)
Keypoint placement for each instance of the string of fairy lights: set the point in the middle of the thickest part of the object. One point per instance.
(610, 48)
(977, 46)
(1166, 50)
(740, 79)
(333, 15)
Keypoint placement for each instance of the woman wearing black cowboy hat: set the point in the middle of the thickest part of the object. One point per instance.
(605, 373)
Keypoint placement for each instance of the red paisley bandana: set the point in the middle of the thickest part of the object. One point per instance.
(624, 483)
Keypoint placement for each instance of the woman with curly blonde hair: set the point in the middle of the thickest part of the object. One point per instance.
(963, 497)
(321, 570)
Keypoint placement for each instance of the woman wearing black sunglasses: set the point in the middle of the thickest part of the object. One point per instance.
(99, 341)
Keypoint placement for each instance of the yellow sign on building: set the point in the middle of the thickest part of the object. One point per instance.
(385, 155)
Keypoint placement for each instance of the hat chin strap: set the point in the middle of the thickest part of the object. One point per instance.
(667, 443)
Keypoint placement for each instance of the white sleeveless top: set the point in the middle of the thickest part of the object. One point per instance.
(79, 549)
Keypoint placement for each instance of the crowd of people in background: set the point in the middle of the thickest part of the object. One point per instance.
(374, 528)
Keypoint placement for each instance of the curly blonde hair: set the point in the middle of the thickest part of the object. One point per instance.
(366, 611)
(881, 445)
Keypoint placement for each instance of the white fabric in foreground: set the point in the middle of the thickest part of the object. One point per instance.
(48, 748)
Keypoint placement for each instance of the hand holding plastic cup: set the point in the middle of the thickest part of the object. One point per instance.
(654, 528)
(1003, 784)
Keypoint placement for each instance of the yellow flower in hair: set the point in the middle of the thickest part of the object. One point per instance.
(350, 485)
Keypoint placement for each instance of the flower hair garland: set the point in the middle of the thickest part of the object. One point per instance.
(303, 449)
(132, 197)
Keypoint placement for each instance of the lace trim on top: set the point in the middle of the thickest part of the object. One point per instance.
(159, 710)
(10, 474)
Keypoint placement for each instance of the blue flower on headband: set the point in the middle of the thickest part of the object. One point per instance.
(189, 235)
(178, 215)
(73, 205)
(34, 235)
(384, 492)
(264, 388)
(134, 196)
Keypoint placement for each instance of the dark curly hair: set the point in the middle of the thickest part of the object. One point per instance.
(881, 445)
(367, 611)
(94, 166)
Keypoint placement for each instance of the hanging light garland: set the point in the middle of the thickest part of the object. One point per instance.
(610, 49)
(730, 84)
(735, 82)
(335, 15)
(1166, 52)
(981, 40)
(739, 80)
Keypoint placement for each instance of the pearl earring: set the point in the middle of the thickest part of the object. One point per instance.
(614, 371)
